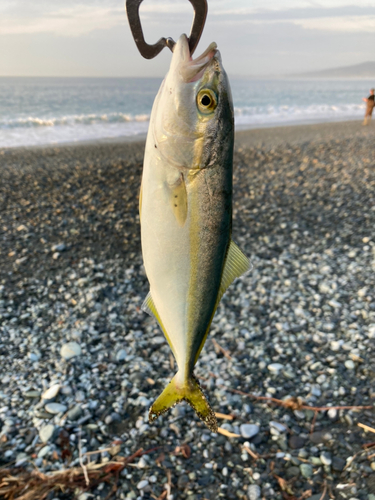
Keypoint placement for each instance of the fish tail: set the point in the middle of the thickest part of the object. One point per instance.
(189, 391)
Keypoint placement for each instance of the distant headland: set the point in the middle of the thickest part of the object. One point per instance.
(362, 70)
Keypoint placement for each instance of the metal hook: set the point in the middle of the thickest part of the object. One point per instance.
(150, 51)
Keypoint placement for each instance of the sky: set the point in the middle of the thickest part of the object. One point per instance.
(255, 37)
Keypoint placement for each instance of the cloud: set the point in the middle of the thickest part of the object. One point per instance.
(349, 18)
(72, 21)
(75, 18)
(355, 24)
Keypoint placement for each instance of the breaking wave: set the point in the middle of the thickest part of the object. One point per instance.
(32, 121)
(268, 115)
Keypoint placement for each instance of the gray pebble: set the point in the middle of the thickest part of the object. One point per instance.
(326, 458)
(31, 394)
(279, 427)
(249, 430)
(70, 350)
(121, 355)
(55, 408)
(44, 451)
(142, 484)
(60, 247)
(74, 412)
(47, 432)
(51, 392)
(253, 492)
(275, 367)
(306, 470)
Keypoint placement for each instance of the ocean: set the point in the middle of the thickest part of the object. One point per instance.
(37, 111)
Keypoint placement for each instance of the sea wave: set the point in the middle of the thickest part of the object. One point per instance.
(90, 119)
(245, 114)
(253, 115)
(30, 131)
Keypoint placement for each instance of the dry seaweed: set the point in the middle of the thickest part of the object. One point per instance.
(18, 484)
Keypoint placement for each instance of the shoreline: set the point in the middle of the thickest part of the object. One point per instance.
(291, 134)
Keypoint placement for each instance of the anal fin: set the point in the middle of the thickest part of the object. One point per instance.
(149, 307)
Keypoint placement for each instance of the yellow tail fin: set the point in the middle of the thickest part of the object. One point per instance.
(190, 392)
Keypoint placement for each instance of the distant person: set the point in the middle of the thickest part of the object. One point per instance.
(370, 106)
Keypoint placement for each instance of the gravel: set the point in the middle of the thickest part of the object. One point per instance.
(304, 212)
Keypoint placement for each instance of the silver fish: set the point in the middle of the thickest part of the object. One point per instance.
(186, 214)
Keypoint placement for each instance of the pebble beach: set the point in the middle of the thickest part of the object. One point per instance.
(289, 364)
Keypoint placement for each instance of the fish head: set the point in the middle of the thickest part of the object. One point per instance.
(193, 112)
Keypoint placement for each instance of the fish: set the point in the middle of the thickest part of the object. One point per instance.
(185, 208)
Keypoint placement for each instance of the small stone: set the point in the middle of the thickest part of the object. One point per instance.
(249, 430)
(55, 255)
(121, 355)
(320, 437)
(44, 451)
(279, 427)
(74, 412)
(338, 464)
(55, 408)
(46, 433)
(253, 492)
(52, 392)
(296, 442)
(293, 471)
(70, 350)
(326, 458)
(85, 496)
(142, 464)
(349, 364)
(31, 394)
(142, 484)
(306, 470)
(275, 367)
(33, 357)
(60, 247)
(332, 413)
(300, 414)
(182, 481)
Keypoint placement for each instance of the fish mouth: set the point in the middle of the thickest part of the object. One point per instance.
(194, 69)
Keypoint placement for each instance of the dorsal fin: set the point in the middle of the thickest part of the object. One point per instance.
(236, 264)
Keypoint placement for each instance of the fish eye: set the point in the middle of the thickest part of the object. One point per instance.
(206, 101)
